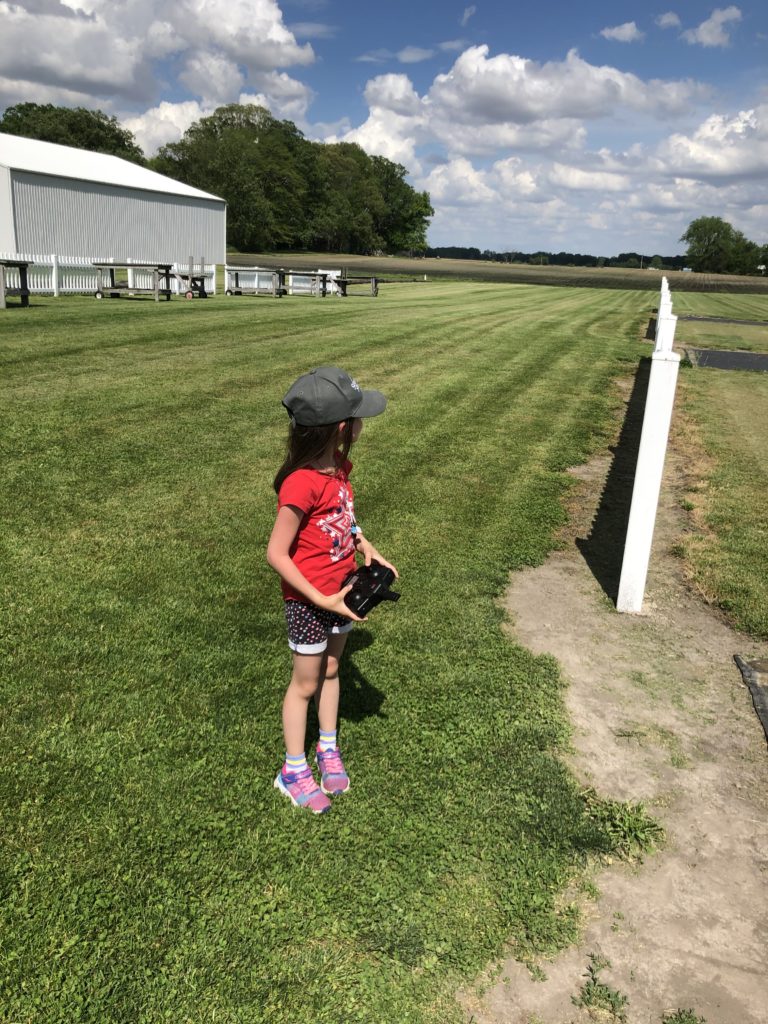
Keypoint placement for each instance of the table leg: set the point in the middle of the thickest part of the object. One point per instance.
(2, 286)
(24, 290)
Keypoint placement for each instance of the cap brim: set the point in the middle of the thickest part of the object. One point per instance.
(372, 404)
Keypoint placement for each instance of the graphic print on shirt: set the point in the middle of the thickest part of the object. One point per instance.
(338, 525)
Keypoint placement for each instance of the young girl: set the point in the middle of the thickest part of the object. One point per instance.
(313, 547)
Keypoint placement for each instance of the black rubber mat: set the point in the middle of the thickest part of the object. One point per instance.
(719, 359)
(755, 675)
(724, 320)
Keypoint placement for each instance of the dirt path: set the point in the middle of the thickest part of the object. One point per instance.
(661, 716)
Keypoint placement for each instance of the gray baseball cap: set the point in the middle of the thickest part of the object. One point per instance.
(329, 395)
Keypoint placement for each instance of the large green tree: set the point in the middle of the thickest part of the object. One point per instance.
(716, 247)
(285, 192)
(84, 129)
(406, 212)
(260, 165)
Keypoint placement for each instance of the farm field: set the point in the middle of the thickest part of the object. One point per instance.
(509, 273)
(149, 870)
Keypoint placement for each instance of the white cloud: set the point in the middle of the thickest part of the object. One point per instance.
(489, 139)
(394, 93)
(668, 20)
(507, 88)
(459, 183)
(16, 91)
(104, 49)
(164, 123)
(626, 33)
(414, 54)
(212, 77)
(712, 32)
(313, 30)
(513, 178)
(588, 180)
(468, 12)
(395, 122)
(285, 97)
(375, 56)
(721, 148)
(451, 45)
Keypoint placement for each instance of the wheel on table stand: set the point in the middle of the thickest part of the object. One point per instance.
(98, 295)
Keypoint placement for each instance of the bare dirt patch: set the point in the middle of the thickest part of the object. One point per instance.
(660, 715)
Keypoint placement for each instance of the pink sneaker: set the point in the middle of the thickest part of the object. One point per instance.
(333, 778)
(302, 790)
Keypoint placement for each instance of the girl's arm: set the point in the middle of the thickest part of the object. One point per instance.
(369, 553)
(278, 555)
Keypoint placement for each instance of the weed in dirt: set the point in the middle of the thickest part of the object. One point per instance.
(659, 737)
(682, 1017)
(600, 1000)
(626, 829)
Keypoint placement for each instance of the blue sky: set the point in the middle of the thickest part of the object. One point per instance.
(585, 126)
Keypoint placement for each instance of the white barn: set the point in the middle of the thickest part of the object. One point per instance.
(56, 199)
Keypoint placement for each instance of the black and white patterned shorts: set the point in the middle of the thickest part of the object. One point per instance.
(309, 627)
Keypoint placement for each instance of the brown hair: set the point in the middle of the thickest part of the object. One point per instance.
(305, 444)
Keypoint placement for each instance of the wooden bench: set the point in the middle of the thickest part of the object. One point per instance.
(108, 284)
(23, 290)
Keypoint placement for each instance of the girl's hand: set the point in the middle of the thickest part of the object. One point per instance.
(335, 603)
(370, 554)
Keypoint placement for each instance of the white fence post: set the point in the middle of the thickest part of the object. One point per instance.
(650, 461)
(56, 282)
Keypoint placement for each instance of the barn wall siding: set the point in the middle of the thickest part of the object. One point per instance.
(7, 234)
(72, 217)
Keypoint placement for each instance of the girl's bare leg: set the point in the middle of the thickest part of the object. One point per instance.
(327, 695)
(308, 671)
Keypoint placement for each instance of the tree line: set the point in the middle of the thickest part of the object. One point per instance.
(630, 260)
(283, 192)
(714, 247)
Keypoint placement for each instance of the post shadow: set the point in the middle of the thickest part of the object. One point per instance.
(603, 548)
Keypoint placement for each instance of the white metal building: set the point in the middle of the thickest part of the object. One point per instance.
(56, 199)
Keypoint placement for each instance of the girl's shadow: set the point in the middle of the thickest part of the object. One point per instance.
(359, 700)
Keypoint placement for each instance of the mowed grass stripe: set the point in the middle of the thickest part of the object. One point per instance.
(149, 867)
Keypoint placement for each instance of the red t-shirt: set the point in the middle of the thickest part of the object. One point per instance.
(324, 549)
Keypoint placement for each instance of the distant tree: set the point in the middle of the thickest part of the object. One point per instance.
(716, 247)
(656, 263)
(405, 217)
(84, 129)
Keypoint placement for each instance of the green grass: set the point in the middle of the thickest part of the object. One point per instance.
(703, 334)
(727, 546)
(148, 870)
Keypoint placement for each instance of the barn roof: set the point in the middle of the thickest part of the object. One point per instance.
(20, 154)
